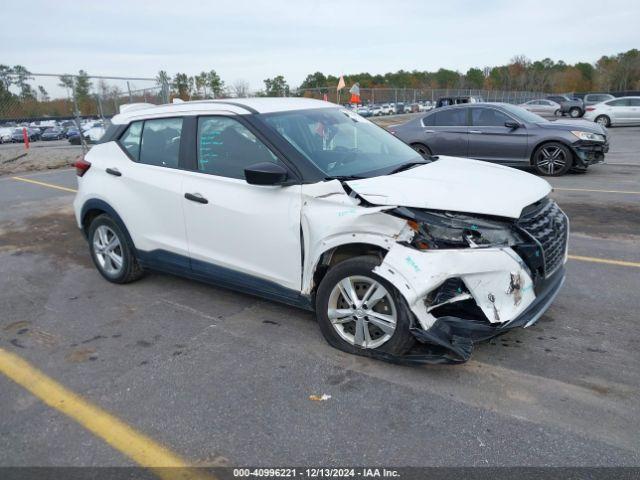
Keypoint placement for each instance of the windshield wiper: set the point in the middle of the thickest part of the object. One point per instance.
(344, 177)
(407, 166)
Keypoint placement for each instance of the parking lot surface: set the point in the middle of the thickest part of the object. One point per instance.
(223, 378)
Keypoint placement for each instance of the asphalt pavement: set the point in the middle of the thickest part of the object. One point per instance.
(224, 378)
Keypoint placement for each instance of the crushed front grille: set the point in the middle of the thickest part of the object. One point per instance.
(546, 223)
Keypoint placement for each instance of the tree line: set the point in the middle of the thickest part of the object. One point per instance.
(618, 72)
(19, 98)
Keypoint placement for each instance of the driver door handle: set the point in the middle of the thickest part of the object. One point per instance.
(195, 197)
(429, 131)
(475, 131)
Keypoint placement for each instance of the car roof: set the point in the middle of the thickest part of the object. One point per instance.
(239, 106)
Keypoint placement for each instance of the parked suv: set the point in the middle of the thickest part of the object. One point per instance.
(574, 107)
(305, 202)
(506, 134)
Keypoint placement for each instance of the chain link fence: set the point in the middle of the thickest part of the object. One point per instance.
(33, 97)
(414, 95)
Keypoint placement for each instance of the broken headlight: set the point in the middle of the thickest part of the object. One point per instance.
(457, 230)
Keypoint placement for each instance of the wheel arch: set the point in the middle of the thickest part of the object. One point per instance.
(540, 143)
(93, 208)
(336, 254)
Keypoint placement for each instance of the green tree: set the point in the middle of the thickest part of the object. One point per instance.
(215, 84)
(181, 85)
(474, 78)
(446, 78)
(276, 87)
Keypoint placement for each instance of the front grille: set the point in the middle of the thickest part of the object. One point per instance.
(549, 226)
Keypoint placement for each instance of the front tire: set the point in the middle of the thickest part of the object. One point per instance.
(112, 252)
(552, 159)
(422, 149)
(359, 310)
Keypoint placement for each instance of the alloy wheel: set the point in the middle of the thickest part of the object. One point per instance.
(602, 120)
(362, 312)
(552, 159)
(108, 250)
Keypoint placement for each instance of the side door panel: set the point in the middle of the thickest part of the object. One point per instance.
(245, 235)
(149, 200)
(490, 140)
(449, 134)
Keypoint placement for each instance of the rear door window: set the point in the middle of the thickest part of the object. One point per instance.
(454, 117)
(621, 102)
(161, 142)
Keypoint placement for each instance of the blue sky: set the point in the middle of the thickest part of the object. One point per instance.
(253, 40)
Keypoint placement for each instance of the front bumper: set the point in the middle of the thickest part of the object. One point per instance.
(500, 292)
(589, 153)
(455, 336)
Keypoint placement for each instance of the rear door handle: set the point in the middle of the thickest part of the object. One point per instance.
(114, 171)
(475, 131)
(429, 131)
(195, 197)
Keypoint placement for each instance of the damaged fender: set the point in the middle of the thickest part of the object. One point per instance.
(331, 218)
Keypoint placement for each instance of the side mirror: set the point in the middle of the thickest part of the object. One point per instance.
(265, 173)
(512, 125)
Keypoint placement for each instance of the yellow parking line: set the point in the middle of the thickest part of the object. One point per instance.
(44, 184)
(621, 263)
(135, 445)
(627, 192)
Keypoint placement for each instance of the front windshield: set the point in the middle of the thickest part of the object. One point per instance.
(524, 115)
(341, 143)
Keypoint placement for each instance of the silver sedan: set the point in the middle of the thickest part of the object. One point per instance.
(543, 107)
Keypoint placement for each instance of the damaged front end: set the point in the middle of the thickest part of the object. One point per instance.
(468, 278)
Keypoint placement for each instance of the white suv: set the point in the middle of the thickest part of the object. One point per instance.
(307, 203)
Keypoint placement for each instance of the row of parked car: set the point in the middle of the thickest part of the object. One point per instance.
(377, 110)
(52, 130)
(601, 108)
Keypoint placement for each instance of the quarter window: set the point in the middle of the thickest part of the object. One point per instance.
(428, 121)
(161, 142)
(130, 141)
(226, 147)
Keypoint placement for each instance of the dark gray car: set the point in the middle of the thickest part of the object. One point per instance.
(506, 134)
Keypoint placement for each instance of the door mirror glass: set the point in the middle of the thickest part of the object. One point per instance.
(512, 125)
(265, 173)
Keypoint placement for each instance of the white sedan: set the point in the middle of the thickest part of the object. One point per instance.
(620, 111)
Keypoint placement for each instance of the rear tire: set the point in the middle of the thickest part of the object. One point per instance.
(603, 120)
(552, 159)
(575, 112)
(112, 252)
(381, 326)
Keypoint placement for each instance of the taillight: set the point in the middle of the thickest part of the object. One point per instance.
(81, 166)
(590, 109)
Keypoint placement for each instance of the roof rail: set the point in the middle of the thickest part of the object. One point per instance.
(129, 107)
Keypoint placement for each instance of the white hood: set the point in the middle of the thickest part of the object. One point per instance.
(458, 185)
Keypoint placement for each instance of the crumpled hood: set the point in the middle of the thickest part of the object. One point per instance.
(458, 185)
